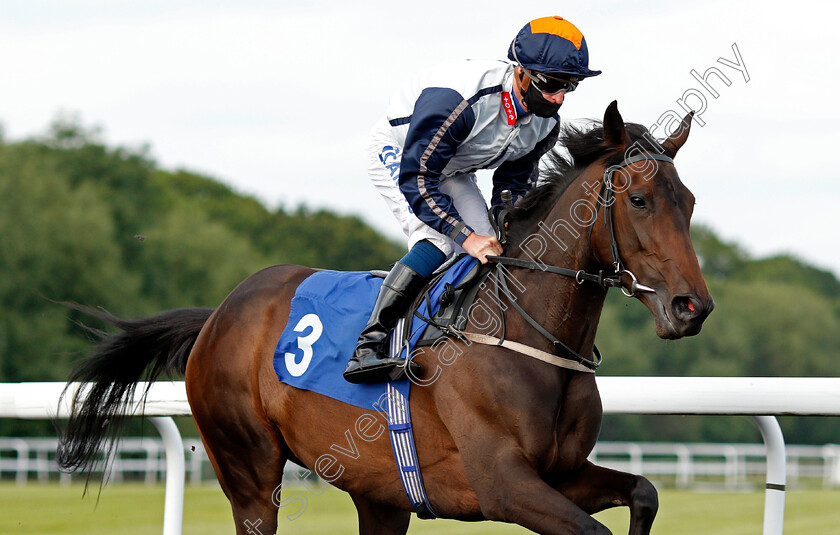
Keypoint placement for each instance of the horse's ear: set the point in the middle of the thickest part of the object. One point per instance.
(677, 139)
(615, 135)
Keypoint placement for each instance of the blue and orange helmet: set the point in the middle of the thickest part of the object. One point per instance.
(552, 45)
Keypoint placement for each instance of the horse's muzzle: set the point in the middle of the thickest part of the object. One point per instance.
(688, 312)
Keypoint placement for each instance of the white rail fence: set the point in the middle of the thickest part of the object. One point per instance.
(684, 465)
(760, 398)
(725, 467)
(135, 459)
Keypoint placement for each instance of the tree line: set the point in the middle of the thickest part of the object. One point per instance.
(105, 226)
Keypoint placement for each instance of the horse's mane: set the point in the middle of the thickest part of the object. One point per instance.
(585, 144)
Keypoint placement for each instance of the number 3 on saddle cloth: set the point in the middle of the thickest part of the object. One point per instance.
(328, 312)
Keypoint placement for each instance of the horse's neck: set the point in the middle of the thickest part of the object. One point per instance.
(567, 309)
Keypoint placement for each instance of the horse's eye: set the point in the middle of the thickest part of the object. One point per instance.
(637, 201)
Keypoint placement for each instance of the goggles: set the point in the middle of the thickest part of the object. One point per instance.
(550, 86)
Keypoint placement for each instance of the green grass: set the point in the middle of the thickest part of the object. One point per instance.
(134, 509)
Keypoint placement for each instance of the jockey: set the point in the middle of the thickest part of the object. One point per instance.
(442, 126)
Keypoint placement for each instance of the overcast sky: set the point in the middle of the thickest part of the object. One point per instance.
(276, 98)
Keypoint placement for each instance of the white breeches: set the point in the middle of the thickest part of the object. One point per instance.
(384, 157)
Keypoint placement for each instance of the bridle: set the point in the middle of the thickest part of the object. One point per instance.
(606, 198)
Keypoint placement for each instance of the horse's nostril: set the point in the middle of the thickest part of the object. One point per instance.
(686, 307)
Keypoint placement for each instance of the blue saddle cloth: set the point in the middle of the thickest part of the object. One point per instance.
(328, 312)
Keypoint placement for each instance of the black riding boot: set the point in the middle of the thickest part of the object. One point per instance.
(370, 362)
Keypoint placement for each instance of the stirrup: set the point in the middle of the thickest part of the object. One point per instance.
(400, 371)
(379, 370)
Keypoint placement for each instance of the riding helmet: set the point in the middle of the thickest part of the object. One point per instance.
(552, 45)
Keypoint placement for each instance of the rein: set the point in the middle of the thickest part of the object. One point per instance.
(574, 360)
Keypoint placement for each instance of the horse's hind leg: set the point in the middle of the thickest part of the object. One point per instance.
(375, 518)
(596, 488)
(247, 455)
(249, 465)
(230, 382)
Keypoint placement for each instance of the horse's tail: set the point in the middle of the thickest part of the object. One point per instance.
(145, 349)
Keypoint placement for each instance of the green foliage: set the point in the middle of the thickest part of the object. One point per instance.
(189, 260)
(718, 259)
(787, 270)
(318, 239)
(56, 242)
(352, 244)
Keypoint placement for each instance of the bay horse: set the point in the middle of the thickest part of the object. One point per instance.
(500, 436)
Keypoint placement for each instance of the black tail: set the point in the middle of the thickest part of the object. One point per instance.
(146, 349)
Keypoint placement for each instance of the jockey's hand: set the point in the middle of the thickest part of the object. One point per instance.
(481, 247)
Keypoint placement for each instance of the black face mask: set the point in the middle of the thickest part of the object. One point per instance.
(538, 105)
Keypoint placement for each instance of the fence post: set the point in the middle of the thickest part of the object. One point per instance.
(774, 496)
(685, 471)
(731, 468)
(173, 508)
(22, 473)
(832, 466)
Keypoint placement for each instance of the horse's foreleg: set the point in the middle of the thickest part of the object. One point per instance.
(375, 518)
(596, 488)
(512, 491)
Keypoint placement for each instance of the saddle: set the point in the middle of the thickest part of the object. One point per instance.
(445, 312)
(443, 305)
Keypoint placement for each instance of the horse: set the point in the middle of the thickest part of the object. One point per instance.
(500, 436)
